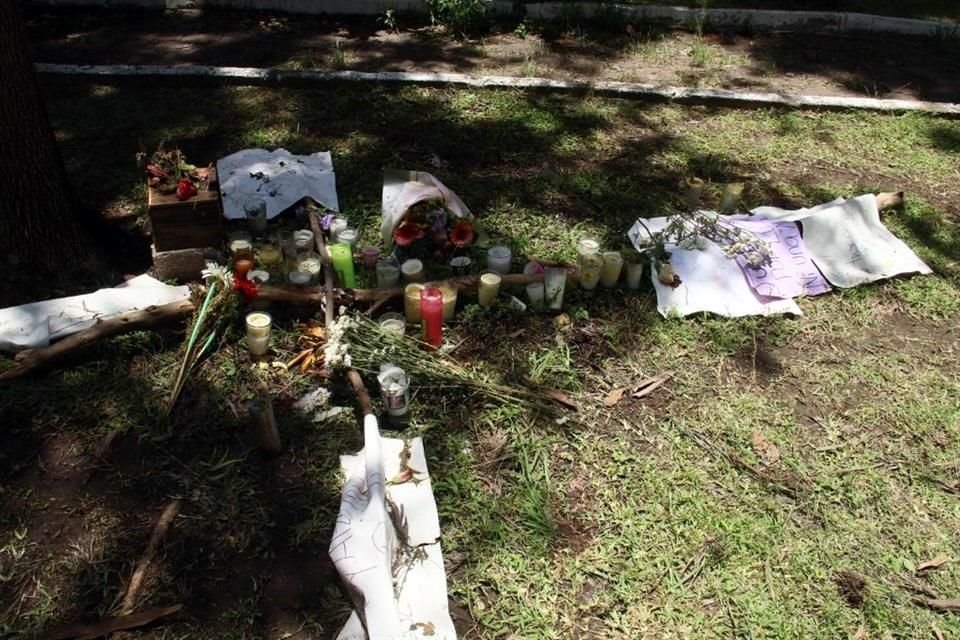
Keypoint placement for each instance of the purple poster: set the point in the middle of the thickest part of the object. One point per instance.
(791, 272)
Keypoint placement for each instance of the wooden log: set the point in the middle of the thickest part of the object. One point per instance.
(363, 398)
(131, 321)
(327, 270)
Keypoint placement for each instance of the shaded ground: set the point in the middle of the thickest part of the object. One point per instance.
(888, 67)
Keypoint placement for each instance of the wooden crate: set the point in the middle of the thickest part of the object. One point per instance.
(187, 224)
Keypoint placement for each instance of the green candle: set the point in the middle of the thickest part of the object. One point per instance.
(342, 256)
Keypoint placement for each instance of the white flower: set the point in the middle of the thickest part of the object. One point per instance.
(215, 271)
(335, 352)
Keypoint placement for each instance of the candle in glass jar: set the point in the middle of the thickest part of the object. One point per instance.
(586, 247)
(535, 293)
(393, 323)
(554, 282)
(270, 255)
(342, 256)
(612, 266)
(634, 274)
(303, 240)
(489, 289)
(431, 311)
(259, 277)
(499, 259)
(590, 268)
(348, 236)
(412, 271)
(258, 332)
(449, 301)
(692, 190)
(369, 255)
(460, 264)
(411, 302)
(242, 266)
(241, 248)
(336, 225)
(388, 273)
(311, 263)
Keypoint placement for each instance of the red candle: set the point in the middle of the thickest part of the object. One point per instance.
(431, 312)
(241, 267)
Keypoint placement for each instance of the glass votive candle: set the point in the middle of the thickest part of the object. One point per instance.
(288, 247)
(255, 209)
(393, 323)
(535, 293)
(336, 225)
(412, 271)
(341, 254)
(489, 288)
(554, 283)
(449, 301)
(347, 235)
(259, 277)
(411, 302)
(270, 256)
(310, 262)
(692, 190)
(499, 259)
(258, 332)
(591, 266)
(431, 311)
(586, 247)
(612, 266)
(460, 264)
(634, 274)
(369, 255)
(303, 240)
(388, 273)
(241, 248)
(242, 266)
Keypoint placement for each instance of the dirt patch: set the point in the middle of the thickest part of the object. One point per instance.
(831, 65)
(852, 587)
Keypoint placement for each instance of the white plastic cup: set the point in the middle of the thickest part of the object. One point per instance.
(535, 293)
(554, 283)
(634, 274)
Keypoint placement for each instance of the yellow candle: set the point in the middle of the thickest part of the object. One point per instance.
(489, 288)
(610, 272)
(411, 302)
(449, 301)
(270, 255)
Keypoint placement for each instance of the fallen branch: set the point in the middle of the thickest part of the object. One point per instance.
(327, 270)
(363, 398)
(139, 573)
(952, 605)
(124, 323)
(110, 625)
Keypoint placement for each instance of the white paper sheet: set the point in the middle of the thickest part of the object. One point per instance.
(711, 281)
(849, 243)
(37, 324)
(279, 177)
(386, 545)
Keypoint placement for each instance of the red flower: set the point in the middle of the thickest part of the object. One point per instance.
(185, 189)
(246, 288)
(462, 234)
(407, 233)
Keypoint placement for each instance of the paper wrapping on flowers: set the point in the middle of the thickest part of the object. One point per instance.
(280, 178)
(403, 189)
(386, 545)
(37, 324)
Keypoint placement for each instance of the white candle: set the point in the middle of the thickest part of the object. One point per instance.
(411, 302)
(303, 239)
(388, 274)
(499, 258)
(258, 332)
(535, 293)
(586, 247)
(489, 288)
(449, 301)
(634, 274)
(612, 266)
(310, 263)
(336, 225)
(554, 282)
(412, 271)
(393, 323)
(347, 235)
(590, 268)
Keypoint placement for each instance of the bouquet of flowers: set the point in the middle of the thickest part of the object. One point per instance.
(428, 231)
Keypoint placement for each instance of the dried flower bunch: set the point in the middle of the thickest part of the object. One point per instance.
(169, 172)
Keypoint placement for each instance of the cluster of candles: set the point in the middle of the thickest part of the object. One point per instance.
(605, 268)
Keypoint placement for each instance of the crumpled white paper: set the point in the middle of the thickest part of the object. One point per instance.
(848, 243)
(403, 189)
(37, 324)
(279, 177)
(386, 545)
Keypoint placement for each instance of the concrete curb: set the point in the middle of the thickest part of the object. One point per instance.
(253, 75)
(673, 17)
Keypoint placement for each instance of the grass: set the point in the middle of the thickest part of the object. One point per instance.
(650, 518)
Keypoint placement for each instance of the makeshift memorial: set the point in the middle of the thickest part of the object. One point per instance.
(612, 266)
(431, 312)
(489, 288)
(554, 282)
(499, 259)
(342, 256)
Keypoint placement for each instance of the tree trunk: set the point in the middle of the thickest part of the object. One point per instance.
(38, 228)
